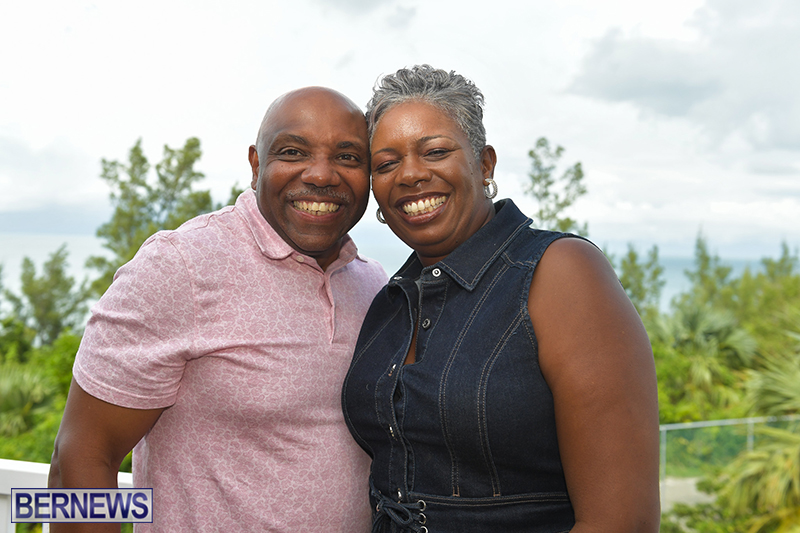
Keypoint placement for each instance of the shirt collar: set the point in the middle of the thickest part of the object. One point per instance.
(273, 246)
(467, 263)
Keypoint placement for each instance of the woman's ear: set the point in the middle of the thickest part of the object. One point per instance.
(488, 161)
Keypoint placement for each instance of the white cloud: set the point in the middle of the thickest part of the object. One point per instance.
(55, 174)
(688, 102)
(739, 75)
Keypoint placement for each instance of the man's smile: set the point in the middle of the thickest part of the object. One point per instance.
(315, 208)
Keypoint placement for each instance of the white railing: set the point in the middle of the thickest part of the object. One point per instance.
(27, 475)
(23, 474)
(749, 422)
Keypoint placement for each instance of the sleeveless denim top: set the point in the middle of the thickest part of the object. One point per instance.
(464, 439)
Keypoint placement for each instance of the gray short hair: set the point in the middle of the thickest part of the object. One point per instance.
(452, 93)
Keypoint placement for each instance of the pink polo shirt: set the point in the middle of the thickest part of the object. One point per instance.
(246, 343)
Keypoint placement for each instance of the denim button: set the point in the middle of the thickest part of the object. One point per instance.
(426, 323)
(391, 430)
(436, 272)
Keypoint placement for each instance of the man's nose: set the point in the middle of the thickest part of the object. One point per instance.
(321, 173)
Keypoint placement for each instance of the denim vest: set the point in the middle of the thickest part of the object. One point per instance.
(464, 439)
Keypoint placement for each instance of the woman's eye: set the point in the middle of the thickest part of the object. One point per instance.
(437, 152)
(384, 166)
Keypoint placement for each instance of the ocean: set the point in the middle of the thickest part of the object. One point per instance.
(375, 242)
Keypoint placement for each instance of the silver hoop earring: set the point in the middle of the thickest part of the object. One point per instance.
(380, 216)
(490, 189)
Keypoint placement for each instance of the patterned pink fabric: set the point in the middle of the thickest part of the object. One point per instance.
(247, 342)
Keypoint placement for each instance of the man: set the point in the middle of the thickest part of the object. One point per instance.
(221, 347)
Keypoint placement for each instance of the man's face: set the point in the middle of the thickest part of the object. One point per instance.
(310, 172)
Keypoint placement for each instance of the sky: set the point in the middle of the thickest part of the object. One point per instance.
(684, 114)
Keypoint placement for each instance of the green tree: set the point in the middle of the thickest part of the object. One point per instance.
(143, 206)
(50, 302)
(759, 491)
(710, 278)
(23, 394)
(765, 481)
(554, 194)
(16, 340)
(703, 518)
(701, 361)
(33, 398)
(766, 301)
(55, 360)
(643, 281)
(764, 484)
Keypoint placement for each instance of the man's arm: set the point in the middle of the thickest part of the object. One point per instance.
(94, 438)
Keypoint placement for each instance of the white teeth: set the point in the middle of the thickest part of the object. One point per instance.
(423, 206)
(316, 208)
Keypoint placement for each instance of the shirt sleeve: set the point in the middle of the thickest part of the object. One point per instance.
(141, 332)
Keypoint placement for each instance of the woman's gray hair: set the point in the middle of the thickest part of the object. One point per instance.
(452, 93)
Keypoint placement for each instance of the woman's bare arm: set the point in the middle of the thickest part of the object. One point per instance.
(595, 356)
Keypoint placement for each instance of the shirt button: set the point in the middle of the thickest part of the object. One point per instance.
(426, 323)
(300, 259)
(436, 272)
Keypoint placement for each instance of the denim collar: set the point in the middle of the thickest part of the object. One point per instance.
(467, 263)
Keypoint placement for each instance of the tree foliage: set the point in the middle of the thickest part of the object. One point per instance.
(728, 347)
(143, 206)
(23, 395)
(39, 328)
(643, 281)
(701, 361)
(16, 340)
(554, 194)
(50, 302)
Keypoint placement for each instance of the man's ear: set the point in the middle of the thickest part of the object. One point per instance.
(252, 156)
(488, 162)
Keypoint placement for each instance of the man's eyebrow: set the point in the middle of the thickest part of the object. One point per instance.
(349, 144)
(284, 137)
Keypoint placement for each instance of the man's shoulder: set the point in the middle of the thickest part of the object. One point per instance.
(217, 228)
(369, 270)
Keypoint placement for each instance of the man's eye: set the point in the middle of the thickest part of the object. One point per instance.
(349, 157)
(290, 152)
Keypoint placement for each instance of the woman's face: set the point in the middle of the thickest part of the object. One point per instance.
(427, 181)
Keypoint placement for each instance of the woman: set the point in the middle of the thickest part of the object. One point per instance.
(502, 380)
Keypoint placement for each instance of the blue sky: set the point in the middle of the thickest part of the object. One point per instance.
(684, 113)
